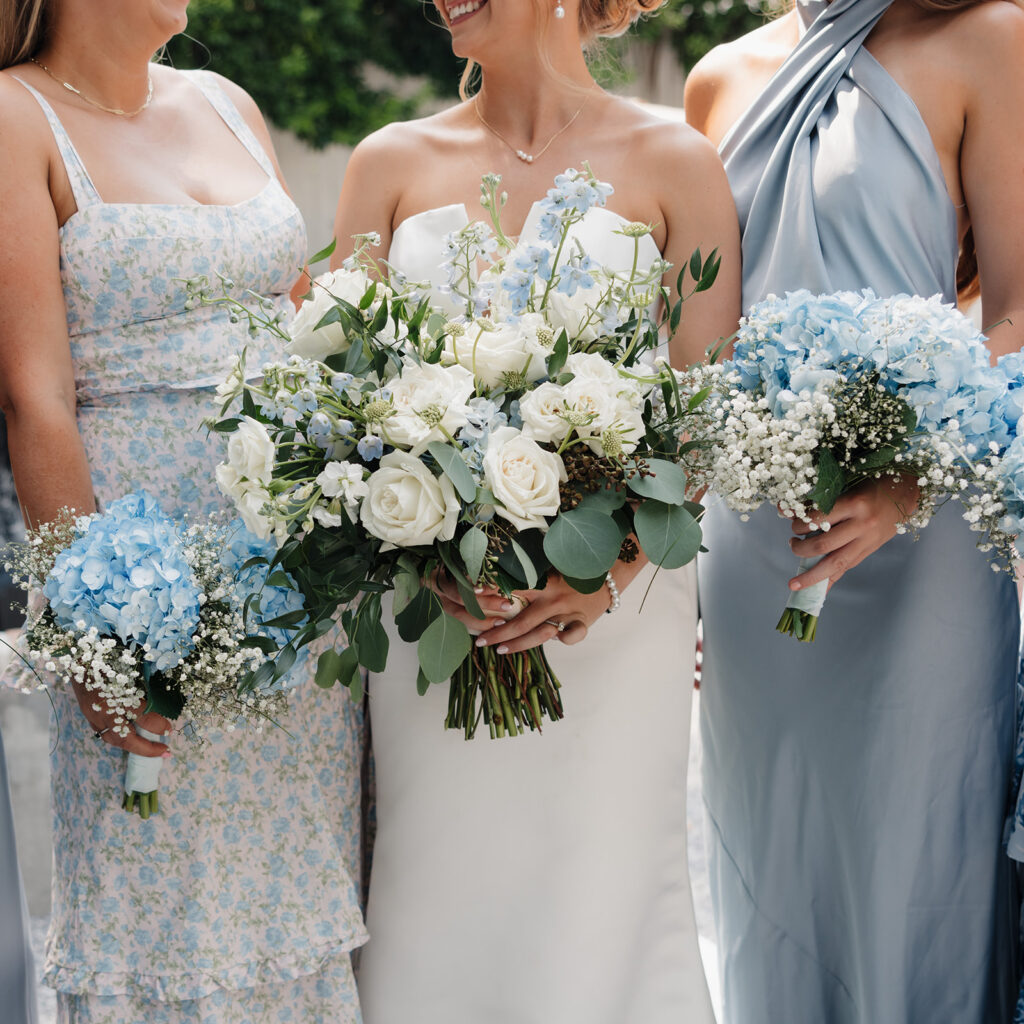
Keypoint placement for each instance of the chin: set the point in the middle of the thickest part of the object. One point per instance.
(467, 21)
(170, 15)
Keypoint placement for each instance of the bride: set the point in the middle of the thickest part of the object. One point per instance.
(543, 879)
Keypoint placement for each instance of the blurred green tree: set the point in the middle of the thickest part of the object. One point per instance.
(305, 61)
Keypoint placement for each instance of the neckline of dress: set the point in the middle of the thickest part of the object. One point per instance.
(530, 218)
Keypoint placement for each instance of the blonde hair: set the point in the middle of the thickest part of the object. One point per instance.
(598, 19)
(23, 25)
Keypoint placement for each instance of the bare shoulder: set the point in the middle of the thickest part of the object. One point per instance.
(418, 138)
(988, 38)
(243, 102)
(675, 148)
(751, 59)
(22, 120)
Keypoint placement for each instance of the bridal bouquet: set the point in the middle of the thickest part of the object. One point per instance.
(824, 392)
(527, 427)
(144, 612)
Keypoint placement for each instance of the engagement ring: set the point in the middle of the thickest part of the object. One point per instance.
(560, 626)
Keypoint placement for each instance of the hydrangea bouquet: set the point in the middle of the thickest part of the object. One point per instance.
(525, 427)
(826, 391)
(144, 612)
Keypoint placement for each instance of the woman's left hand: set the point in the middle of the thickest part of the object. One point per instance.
(543, 612)
(860, 523)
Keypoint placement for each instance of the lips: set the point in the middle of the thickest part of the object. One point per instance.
(459, 12)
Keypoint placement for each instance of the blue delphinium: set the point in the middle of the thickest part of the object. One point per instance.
(274, 601)
(127, 576)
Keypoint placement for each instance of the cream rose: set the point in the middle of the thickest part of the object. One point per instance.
(490, 350)
(251, 451)
(612, 409)
(523, 477)
(576, 314)
(430, 405)
(313, 343)
(543, 414)
(406, 505)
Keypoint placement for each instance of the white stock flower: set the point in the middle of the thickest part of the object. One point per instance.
(306, 340)
(342, 480)
(543, 410)
(429, 403)
(523, 477)
(406, 505)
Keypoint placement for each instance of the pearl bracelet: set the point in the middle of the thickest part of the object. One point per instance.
(614, 591)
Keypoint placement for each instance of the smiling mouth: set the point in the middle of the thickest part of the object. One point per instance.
(459, 12)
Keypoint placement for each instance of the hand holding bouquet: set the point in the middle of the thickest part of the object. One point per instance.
(528, 428)
(144, 613)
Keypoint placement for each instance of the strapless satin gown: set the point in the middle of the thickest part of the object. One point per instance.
(857, 786)
(542, 879)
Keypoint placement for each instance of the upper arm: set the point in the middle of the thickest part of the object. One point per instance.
(35, 357)
(992, 170)
(702, 86)
(371, 190)
(700, 214)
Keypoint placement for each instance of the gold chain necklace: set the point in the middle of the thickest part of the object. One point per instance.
(94, 103)
(529, 158)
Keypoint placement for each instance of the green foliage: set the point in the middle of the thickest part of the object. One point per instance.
(305, 61)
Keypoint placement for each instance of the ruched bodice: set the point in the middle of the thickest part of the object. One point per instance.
(856, 786)
(827, 161)
(240, 883)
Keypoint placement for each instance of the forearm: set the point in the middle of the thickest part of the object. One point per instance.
(49, 463)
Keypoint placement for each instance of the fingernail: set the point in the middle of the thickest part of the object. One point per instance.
(478, 590)
(503, 649)
(794, 586)
(166, 753)
(498, 622)
(481, 642)
(508, 606)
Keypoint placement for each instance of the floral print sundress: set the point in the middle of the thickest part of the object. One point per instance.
(237, 902)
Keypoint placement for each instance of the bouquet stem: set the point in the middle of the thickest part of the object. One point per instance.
(510, 692)
(141, 776)
(800, 616)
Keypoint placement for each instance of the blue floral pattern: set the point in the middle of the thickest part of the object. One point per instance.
(237, 901)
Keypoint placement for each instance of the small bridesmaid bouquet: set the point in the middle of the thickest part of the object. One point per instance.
(825, 392)
(147, 613)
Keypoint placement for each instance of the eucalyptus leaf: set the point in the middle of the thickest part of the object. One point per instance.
(406, 586)
(585, 586)
(608, 499)
(583, 543)
(473, 548)
(370, 639)
(666, 482)
(559, 354)
(422, 682)
(327, 250)
(422, 610)
(443, 647)
(328, 666)
(454, 468)
(668, 534)
(529, 569)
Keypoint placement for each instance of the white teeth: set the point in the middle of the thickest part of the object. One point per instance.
(467, 8)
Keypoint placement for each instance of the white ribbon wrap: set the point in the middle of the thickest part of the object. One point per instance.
(810, 599)
(142, 774)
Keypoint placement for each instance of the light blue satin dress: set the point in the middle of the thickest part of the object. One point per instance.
(856, 787)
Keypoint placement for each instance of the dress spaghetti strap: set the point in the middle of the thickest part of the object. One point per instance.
(82, 187)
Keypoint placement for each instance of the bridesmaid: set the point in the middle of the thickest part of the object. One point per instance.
(118, 179)
(857, 787)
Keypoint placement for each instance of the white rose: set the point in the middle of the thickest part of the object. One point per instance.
(571, 312)
(612, 406)
(406, 505)
(250, 505)
(523, 477)
(490, 350)
(306, 340)
(251, 451)
(342, 480)
(542, 411)
(430, 404)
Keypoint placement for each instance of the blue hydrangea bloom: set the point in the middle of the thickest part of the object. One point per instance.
(127, 576)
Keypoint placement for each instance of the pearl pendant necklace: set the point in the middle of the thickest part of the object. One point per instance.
(529, 158)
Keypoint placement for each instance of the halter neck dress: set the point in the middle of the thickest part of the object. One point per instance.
(234, 903)
(857, 786)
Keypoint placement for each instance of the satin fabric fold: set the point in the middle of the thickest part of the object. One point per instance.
(856, 787)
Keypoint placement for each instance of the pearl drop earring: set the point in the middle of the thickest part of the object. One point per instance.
(559, 10)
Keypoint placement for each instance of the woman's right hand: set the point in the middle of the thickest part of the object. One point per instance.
(101, 719)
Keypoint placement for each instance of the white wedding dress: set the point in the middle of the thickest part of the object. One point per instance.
(540, 879)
